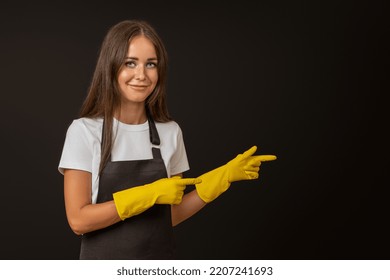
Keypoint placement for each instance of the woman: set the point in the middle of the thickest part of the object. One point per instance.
(124, 157)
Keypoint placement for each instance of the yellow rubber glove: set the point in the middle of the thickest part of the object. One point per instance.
(133, 201)
(243, 167)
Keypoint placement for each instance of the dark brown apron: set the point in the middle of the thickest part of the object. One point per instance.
(148, 235)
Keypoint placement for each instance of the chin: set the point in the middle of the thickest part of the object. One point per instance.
(134, 100)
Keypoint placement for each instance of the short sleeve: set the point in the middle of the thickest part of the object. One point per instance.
(179, 161)
(77, 149)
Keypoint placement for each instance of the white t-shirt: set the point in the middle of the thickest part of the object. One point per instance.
(132, 142)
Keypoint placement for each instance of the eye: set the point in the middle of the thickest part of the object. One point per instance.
(151, 65)
(130, 64)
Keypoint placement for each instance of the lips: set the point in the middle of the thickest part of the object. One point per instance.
(139, 87)
(136, 85)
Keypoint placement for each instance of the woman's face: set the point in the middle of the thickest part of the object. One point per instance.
(138, 76)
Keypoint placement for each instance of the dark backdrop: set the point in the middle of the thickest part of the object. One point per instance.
(305, 81)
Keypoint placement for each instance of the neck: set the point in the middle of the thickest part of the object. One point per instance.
(132, 113)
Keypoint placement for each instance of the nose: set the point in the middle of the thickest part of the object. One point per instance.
(140, 72)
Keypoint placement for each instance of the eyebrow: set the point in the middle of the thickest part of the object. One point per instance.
(136, 58)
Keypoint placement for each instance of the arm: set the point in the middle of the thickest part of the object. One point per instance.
(244, 167)
(82, 215)
(191, 204)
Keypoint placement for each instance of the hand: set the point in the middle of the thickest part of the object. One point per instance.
(171, 190)
(246, 166)
(133, 201)
(243, 167)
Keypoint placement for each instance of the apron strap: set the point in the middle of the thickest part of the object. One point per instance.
(154, 138)
(153, 134)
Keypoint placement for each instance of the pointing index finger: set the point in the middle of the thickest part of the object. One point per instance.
(190, 181)
(266, 157)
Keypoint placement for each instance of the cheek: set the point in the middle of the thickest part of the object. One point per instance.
(154, 78)
(124, 75)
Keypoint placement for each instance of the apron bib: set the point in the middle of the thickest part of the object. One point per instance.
(148, 235)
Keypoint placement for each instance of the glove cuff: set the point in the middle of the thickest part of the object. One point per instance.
(213, 184)
(133, 201)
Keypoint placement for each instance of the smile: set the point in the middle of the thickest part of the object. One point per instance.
(138, 87)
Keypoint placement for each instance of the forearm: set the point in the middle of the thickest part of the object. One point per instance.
(92, 217)
(191, 204)
(84, 216)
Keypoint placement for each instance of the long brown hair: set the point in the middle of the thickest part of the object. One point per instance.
(103, 98)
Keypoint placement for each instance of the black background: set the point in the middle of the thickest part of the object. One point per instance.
(306, 81)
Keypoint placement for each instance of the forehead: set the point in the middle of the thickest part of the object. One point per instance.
(141, 46)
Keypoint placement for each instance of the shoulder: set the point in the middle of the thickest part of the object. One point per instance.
(170, 127)
(86, 126)
(88, 123)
